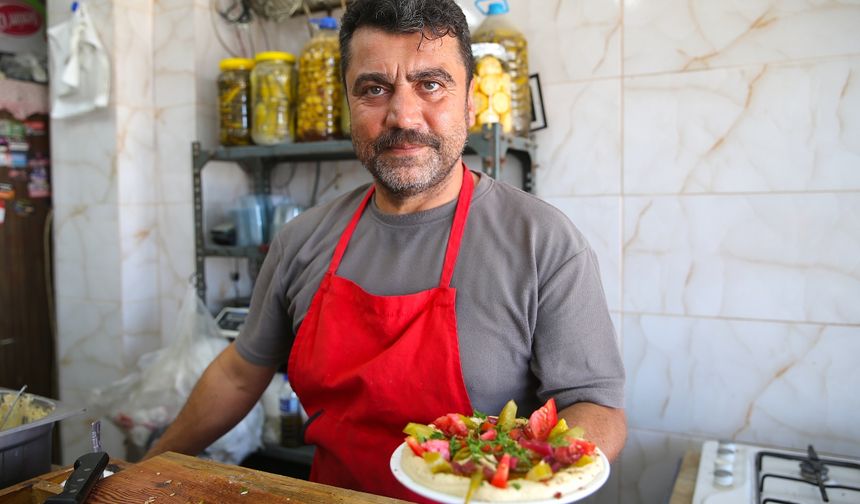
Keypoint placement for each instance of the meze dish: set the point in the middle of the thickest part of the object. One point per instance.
(500, 458)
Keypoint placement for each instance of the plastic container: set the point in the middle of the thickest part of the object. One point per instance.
(234, 101)
(320, 94)
(272, 97)
(250, 220)
(25, 451)
(492, 87)
(291, 416)
(497, 29)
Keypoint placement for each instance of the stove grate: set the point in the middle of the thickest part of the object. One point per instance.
(813, 469)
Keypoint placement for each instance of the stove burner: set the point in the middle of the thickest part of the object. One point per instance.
(813, 469)
(813, 472)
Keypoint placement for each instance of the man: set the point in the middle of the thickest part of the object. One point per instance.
(435, 290)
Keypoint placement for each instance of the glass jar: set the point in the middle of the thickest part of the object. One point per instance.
(234, 101)
(320, 95)
(497, 29)
(272, 97)
(492, 94)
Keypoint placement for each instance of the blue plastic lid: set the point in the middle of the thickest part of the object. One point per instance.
(326, 23)
(497, 8)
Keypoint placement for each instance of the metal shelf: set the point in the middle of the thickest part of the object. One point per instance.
(491, 145)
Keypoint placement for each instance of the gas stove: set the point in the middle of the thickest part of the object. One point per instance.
(734, 473)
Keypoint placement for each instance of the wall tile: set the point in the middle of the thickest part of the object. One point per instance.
(139, 253)
(779, 257)
(676, 35)
(174, 133)
(135, 154)
(598, 219)
(580, 152)
(733, 379)
(570, 40)
(86, 253)
(84, 162)
(176, 259)
(757, 128)
(132, 47)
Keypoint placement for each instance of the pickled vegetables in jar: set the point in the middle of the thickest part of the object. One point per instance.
(492, 94)
(320, 95)
(498, 30)
(272, 97)
(234, 101)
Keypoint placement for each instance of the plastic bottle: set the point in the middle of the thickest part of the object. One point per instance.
(497, 29)
(291, 417)
(320, 101)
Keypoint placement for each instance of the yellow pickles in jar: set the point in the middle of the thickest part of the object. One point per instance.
(497, 29)
(272, 97)
(234, 101)
(492, 93)
(320, 95)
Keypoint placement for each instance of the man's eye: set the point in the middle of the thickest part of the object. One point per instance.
(374, 90)
(431, 86)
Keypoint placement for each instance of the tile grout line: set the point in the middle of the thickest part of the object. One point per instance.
(738, 319)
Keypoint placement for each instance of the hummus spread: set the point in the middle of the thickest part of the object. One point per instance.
(563, 482)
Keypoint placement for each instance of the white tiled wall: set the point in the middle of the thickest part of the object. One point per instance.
(709, 150)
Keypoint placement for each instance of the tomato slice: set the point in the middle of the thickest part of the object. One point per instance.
(416, 448)
(451, 425)
(500, 479)
(542, 421)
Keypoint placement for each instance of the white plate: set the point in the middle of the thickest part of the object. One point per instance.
(444, 498)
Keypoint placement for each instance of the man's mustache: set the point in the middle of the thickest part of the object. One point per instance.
(393, 137)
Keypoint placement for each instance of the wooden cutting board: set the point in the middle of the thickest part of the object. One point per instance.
(173, 478)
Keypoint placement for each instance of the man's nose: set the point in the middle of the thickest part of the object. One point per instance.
(404, 109)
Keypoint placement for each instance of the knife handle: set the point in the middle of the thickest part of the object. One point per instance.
(88, 470)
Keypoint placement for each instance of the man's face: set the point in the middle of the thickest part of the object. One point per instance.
(410, 108)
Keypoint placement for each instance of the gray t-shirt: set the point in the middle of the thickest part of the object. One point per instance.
(532, 319)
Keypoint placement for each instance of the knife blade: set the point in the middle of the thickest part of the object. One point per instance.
(87, 472)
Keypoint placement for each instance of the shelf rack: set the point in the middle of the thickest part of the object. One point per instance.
(257, 161)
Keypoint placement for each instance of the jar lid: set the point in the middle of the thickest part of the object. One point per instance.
(497, 8)
(275, 55)
(236, 64)
(326, 23)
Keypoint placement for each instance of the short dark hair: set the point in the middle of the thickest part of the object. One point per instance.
(432, 18)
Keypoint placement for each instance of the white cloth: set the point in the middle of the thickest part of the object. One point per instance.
(80, 67)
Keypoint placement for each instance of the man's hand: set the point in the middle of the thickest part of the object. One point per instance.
(604, 426)
(225, 393)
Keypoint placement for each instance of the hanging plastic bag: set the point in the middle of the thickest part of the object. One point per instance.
(146, 401)
(79, 66)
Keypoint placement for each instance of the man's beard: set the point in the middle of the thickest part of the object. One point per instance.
(409, 175)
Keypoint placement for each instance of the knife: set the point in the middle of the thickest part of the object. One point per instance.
(87, 472)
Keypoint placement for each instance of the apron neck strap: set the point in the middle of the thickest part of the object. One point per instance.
(464, 201)
(455, 237)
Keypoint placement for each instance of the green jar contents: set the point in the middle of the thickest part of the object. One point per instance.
(234, 101)
(320, 95)
(272, 97)
(497, 29)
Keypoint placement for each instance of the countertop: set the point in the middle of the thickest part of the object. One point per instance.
(180, 479)
(685, 482)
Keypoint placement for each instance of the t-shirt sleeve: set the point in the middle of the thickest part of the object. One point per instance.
(267, 336)
(575, 351)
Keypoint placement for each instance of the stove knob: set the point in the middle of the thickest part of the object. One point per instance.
(726, 451)
(723, 478)
(723, 465)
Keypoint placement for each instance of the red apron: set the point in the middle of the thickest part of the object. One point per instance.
(364, 366)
